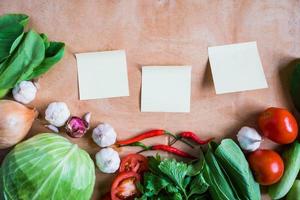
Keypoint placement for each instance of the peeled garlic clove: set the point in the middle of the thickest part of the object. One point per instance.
(104, 135)
(76, 127)
(15, 122)
(52, 128)
(249, 139)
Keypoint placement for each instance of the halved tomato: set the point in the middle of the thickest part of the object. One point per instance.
(124, 186)
(135, 163)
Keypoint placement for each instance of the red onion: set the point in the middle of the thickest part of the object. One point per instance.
(76, 127)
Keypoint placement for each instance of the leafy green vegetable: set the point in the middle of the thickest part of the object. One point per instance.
(196, 166)
(169, 179)
(294, 193)
(47, 166)
(176, 171)
(236, 167)
(11, 27)
(219, 188)
(295, 86)
(24, 56)
(54, 53)
(29, 55)
(291, 159)
(9, 19)
(198, 186)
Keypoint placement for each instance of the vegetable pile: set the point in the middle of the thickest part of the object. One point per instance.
(221, 173)
(24, 55)
(47, 166)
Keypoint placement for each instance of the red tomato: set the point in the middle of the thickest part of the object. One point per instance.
(134, 162)
(266, 165)
(279, 125)
(124, 186)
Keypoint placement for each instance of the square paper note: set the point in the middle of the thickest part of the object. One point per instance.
(236, 67)
(166, 88)
(102, 74)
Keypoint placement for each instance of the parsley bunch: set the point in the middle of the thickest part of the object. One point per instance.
(169, 179)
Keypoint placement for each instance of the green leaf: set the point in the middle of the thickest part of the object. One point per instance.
(11, 27)
(187, 181)
(45, 39)
(177, 196)
(198, 185)
(153, 184)
(9, 19)
(16, 43)
(7, 37)
(153, 163)
(172, 188)
(214, 176)
(295, 86)
(234, 163)
(54, 53)
(29, 55)
(196, 167)
(3, 92)
(176, 171)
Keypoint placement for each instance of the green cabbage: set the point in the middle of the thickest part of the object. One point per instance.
(47, 166)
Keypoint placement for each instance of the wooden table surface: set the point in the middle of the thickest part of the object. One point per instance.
(164, 32)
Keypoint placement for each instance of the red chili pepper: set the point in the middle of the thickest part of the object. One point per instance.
(194, 137)
(172, 150)
(162, 147)
(149, 134)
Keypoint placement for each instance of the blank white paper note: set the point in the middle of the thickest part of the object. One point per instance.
(236, 67)
(102, 74)
(166, 89)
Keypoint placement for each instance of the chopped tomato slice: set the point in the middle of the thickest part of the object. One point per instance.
(124, 186)
(134, 162)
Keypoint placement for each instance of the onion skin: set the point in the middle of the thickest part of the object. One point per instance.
(15, 122)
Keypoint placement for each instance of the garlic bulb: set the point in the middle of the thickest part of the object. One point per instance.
(24, 92)
(249, 138)
(108, 160)
(57, 113)
(104, 135)
(15, 122)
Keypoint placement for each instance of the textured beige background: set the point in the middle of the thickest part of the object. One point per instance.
(162, 32)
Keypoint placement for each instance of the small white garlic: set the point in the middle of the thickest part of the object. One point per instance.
(57, 113)
(108, 160)
(24, 92)
(249, 138)
(104, 135)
